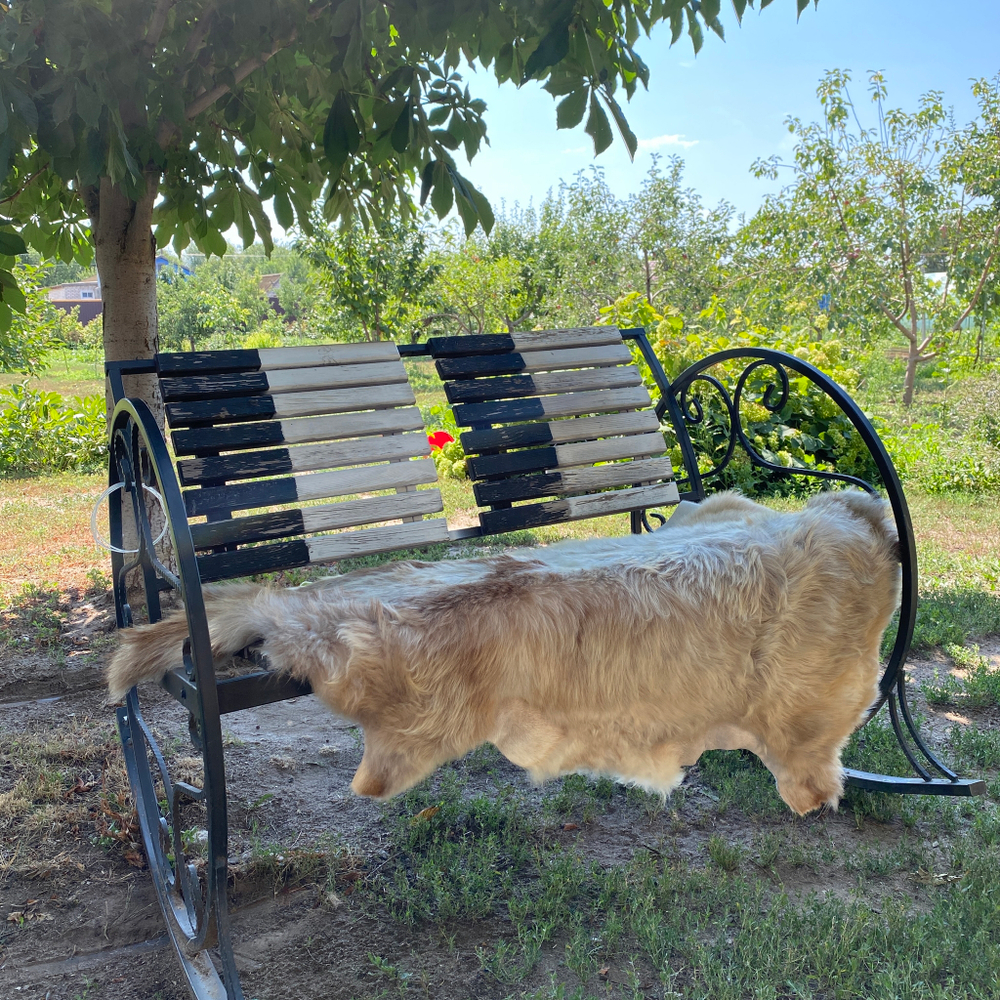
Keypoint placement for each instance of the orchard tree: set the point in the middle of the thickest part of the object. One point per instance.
(900, 219)
(188, 115)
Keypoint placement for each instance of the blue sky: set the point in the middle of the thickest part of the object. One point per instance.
(726, 107)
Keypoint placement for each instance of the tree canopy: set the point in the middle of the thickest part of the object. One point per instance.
(191, 114)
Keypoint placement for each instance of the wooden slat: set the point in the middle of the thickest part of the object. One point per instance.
(308, 520)
(559, 431)
(312, 486)
(232, 437)
(536, 340)
(567, 405)
(293, 404)
(304, 458)
(348, 544)
(326, 548)
(566, 455)
(258, 559)
(571, 481)
(533, 361)
(283, 380)
(577, 508)
(515, 386)
(271, 358)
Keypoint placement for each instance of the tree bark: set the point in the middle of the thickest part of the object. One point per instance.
(125, 251)
(912, 359)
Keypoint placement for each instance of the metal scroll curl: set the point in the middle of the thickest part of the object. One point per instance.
(774, 399)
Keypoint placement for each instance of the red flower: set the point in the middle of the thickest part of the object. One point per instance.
(439, 439)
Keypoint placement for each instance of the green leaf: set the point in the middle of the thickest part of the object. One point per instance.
(569, 111)
(340, 133)
(401, 129)
(626, 133)
(552, 49)
(694, 30)
(739, 6)
(283, 209)
(443, 195)
(437, 116)
(801, 4)
(11, 295)
(483, 208)
(11, 244)
(426, 179)
(598, 127)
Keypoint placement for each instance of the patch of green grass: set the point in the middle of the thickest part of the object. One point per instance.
(974, 747)
(738, 778)
(951, 615)
(978, 688)
(580, 797)
(724, 855)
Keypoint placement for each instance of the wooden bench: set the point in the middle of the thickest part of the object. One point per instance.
(288, 457)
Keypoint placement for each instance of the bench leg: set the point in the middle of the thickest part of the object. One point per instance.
(190, 874)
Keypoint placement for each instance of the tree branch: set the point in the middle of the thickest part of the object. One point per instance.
(898, 323)
(982, 281)
(156, 25)
(20, 190)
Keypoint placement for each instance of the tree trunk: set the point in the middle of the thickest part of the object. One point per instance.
(911, 373)
(125, 251)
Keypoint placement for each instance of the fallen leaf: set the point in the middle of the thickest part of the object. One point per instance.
(571, 826)
(425, 814)
(603, 970)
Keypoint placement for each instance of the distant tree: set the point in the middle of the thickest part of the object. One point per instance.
(376, 278)
(901, 219)
(683, 246)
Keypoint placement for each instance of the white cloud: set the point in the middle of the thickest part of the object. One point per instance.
(667, 140)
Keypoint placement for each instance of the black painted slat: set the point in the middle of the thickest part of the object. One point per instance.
(467, 414)
(241, 496)
(473, 367)
(247, 465)
(495, 522)
(518, 488)
(203, 362)
(529, 460)
(505, 437)
(258, 559)
(207, 411)
(228, 437)
(257, 528)
(461, 347)
(480, 390)
(213, 386)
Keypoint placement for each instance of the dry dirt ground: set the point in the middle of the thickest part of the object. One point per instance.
(78, 916)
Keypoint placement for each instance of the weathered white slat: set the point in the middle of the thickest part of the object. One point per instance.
(367, 541)
(370, 510)
(642, 471)
(620, 501)
(583, 357)
(582, 336)
(350, 425)
(605, 425)
(575, 403)
(305, 458)
(335, 376)
(304, 404)
(609, 449)
(366, 479)
(273, 358)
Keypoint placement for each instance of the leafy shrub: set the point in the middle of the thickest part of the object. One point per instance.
(450, 457)
(42, 432)
(944, 462)
(808, 432)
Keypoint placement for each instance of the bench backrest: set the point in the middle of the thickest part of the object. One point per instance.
(280, 427)
(555, 416)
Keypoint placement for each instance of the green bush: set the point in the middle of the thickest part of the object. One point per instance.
(808, 432)
(42, 432)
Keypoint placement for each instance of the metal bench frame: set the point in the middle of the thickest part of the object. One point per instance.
(193, 897)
